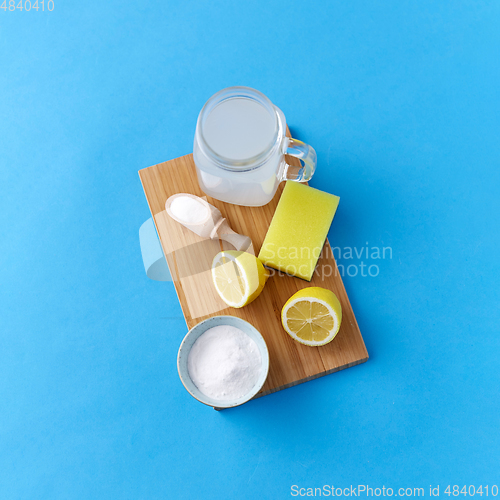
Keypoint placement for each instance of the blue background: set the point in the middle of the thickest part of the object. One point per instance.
(400, 100)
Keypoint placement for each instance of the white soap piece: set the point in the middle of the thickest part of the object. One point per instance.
(224, 363)
(189, 210)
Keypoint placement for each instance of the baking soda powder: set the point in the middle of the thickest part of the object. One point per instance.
(224, 363)
(189, 210)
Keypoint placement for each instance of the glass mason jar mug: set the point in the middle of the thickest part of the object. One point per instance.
(240, 147)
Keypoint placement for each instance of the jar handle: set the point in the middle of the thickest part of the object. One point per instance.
(307, 157)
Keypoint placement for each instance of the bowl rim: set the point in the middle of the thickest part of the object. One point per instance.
(204, 326)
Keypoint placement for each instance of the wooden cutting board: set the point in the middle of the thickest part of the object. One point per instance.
(189, 259)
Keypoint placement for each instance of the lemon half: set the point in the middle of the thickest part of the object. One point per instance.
(312, 316)
(239, 277)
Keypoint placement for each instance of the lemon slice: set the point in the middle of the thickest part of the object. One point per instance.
(239, 277)
(312, 316)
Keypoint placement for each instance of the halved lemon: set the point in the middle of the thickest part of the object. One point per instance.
(239, 277)
(312, 316)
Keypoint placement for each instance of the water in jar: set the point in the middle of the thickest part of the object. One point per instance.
(239, 129)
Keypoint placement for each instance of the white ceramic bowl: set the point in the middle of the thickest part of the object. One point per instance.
(190, 339)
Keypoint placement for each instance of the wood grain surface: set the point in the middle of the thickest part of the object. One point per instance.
(189, 258)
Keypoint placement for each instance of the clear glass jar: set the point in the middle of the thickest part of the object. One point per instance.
(240, 146)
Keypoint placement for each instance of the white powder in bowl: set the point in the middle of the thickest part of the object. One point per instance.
(224, 363)
(188, 209)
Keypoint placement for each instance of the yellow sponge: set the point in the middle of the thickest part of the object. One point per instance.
(298, 230)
